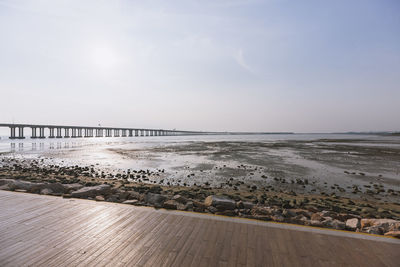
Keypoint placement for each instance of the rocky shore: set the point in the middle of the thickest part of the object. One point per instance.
(328, 211)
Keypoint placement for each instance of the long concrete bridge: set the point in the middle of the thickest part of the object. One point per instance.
(66, 131)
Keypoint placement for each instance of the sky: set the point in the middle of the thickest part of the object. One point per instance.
(218, 65)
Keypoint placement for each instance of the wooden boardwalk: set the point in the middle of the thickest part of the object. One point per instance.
(50, 231)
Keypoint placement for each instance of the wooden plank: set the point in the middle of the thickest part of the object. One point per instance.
(48, 231)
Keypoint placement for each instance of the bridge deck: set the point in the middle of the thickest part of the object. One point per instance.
(50, 231)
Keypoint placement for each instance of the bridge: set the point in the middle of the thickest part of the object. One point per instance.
(67, 131)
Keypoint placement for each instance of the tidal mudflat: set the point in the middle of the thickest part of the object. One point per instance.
(337, 181)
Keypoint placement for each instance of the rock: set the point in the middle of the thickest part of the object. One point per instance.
(316, 217)
(99, 198)
(55, 187)
(46, 191)
(131, 202)
(171, 204)
(338, 225)
(123, 195)
(220, 202)
(327, 221)
(17, 184)
(154, 199)
(375, 230)
(4, 187)
(72, 187)
(91, 191)
(113, 198)
(135, 195)
(383, 223)
(244, 205)
(278, 218)
(180, 199)
(353, 224)
(394, 226)
(393, 234)
(256, 210)
(21, 190)
(189, 205)
(198, 206)
(316, 223)
(289, 213)
(212, 209)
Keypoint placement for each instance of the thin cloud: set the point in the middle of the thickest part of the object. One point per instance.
(239, 58)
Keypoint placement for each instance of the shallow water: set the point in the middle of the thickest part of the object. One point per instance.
(323, 159)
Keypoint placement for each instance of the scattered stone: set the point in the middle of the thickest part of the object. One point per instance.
(220, 201)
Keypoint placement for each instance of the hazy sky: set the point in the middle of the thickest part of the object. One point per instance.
(273, 65)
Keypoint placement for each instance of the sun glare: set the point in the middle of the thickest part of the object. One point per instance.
(104, 57)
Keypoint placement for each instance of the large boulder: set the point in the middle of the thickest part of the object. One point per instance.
(353, 224)
(220, 202)
(154, 199)
(24, 185)
(171, 204)
(92, 191)
(180, 199)
(12, 184)
(378, 223)
(72, 187)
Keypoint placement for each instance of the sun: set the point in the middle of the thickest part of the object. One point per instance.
(104, 57)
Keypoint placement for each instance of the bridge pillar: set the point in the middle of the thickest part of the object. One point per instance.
(51, 133)
(12, 134)
(20, 133)
(66, 133)
(33, 133)
(116, 133)
(123, 133)
(130, 133)
(41, 132)
(79, 132)
(59, 135)
(136, 132)
(73, 132)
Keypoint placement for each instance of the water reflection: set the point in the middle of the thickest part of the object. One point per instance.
(42, 146)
